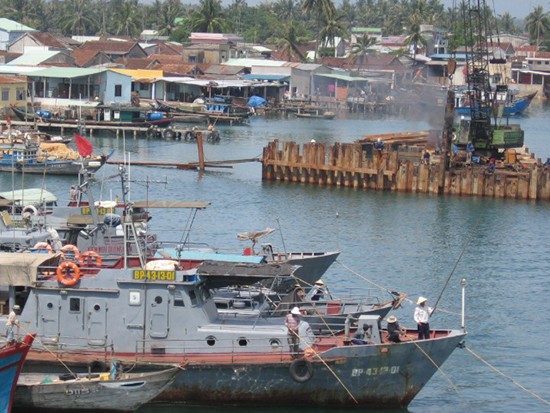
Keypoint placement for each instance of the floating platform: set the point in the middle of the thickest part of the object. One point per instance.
(400, 167)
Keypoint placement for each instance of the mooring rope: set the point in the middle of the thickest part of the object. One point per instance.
(438, 368)
(506, 377)
(328, 367)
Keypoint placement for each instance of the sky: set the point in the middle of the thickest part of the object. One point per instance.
(517, 8)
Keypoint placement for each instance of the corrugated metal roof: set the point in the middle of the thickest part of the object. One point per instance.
(66, 72)
(342, 77)
(13, 26)
(18, 70)
(138, 74)
(34, 58)
(265, 77)
(246, 62)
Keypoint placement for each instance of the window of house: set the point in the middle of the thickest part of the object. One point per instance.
(118, 90)
(5, 94)
(20, 94)
(144, 86)
(192, 59)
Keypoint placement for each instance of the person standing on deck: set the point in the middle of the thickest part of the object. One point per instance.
(422, 315)
(292, 322)
(12, 322)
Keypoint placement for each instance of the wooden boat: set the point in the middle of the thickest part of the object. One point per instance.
(316, 114)
(217, 109)
(108, 116)
(124, 392)
(11, 360)
(27, 154)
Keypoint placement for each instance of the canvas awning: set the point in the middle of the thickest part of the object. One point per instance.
(21, 269)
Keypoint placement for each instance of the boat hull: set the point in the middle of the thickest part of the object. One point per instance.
(52, 168)
(11, 361)
(126, 394)
(387, 376)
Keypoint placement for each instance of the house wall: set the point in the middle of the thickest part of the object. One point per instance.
(12, 93)
(7, 37)
(19, 45)
(107, 87)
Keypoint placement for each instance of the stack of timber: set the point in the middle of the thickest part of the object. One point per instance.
(400, 166)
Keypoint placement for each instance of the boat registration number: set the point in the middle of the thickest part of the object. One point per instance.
(100, 210)
(375, 371)
(154, 275)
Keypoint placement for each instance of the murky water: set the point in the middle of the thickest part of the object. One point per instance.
(405, 242)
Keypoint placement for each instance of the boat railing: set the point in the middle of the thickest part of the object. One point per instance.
(223, 350)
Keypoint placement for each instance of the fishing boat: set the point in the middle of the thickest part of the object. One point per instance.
(28, 155)
(316, 115)
(110, 391)
(161, 312)
(12, 358)
(504, 101)
(107, 116)
(216, 109)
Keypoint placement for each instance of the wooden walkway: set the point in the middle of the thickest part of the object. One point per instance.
(350, 165)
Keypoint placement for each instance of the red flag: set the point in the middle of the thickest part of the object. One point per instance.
(85, 148)
(8, 119)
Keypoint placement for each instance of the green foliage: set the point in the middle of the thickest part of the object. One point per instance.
(326, 52)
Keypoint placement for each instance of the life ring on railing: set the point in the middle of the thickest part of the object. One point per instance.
(68, 273)
(43, 246)
(91, 259)
(30, 208)
(301, 370)
(73, 248)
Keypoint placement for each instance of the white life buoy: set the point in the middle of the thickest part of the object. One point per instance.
(30, 208)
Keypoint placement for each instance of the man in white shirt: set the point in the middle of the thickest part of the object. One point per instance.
(422, 315)
(12, 322)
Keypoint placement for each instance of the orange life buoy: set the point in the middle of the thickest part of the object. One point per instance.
(73, 248)
(90, 259)
(42, 246)
(68, 273)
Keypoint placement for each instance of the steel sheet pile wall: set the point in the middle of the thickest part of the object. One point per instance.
(345, 164)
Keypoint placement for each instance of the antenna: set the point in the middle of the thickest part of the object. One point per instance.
(281, 232)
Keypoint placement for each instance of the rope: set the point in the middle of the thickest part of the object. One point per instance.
(507, 377)
(328, 367)
(439, 368)
(458, 259)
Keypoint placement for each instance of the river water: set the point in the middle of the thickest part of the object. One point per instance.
(401, 241)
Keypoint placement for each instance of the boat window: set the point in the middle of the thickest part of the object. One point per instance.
(242, 341)
(74, 305)
(178, 299)
(193, 297)
(158, 299)
(49, 305)
(275, 343)
(210, 340)
(97, 307)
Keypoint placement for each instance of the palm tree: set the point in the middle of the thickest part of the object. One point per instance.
(332, 26)
(169, 11)
(291, 39)
(537, 23)
(362, 47)
(285, 9)
(507, 24)
(126, 19)
(209, 17)
(78, 19)
(321, 9)
(415, 37)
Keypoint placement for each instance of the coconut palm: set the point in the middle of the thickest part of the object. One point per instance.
(285, 9)
(126, 19)
(537, 23)
(292, 38)
(77, 18)
(321, 9)
(332, 26)
(209, 17)
(362, 47)
(506, 24)
(169, 12)
(415, 37)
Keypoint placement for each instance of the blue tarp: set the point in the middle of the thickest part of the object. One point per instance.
(256, 102)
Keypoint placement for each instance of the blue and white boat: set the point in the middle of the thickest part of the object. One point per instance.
(505, 98)
(11, 361)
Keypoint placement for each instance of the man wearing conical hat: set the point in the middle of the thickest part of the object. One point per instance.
(422, 315)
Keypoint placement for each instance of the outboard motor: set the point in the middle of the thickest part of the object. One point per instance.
(267, 252)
